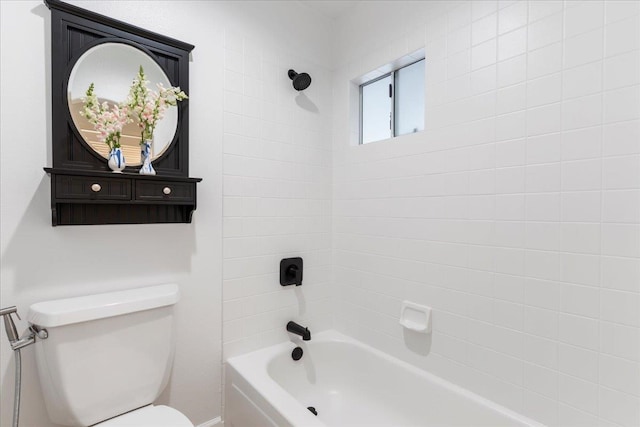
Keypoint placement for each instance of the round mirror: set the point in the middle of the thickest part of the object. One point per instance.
(111, 67)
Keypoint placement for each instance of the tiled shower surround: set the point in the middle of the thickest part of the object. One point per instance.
(277, 189)
(515, 214)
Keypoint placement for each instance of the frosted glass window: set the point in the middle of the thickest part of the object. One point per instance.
(376, 110)
(409, 99)
(393, 104)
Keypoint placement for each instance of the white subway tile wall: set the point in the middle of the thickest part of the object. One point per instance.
(515, 214)
(277, 184)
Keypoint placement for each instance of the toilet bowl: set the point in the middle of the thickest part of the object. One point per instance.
(107, 357)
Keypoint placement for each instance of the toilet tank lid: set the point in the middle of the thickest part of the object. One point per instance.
(92, 307)
(149, 416)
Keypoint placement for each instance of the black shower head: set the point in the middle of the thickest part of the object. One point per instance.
(300, 81)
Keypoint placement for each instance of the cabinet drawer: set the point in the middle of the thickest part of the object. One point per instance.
(165, 191)
(85, 187)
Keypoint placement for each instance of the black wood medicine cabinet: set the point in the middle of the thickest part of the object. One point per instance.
(84, 191)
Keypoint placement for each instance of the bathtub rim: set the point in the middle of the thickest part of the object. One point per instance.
(256, 364)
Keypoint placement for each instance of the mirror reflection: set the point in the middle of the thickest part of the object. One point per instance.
(111, 67)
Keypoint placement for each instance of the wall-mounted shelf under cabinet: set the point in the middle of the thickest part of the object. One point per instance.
(95, 197)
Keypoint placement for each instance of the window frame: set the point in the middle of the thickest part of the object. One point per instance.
(392, 99)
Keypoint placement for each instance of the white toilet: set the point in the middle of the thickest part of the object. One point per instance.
(107, 357)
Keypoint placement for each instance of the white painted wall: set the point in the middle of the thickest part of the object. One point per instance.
(40, 262)
(515, 214)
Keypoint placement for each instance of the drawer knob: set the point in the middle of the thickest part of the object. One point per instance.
(95, 188)
(166, 190)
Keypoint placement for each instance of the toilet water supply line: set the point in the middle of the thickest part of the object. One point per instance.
(29, 337)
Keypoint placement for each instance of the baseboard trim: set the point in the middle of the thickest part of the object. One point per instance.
(214, 422)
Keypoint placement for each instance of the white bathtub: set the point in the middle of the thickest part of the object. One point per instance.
(349, 384)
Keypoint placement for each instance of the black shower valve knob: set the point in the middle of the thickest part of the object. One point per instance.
(292, 272)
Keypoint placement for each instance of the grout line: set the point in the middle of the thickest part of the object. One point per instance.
(485, 245)
(562, 167)
(602, 181)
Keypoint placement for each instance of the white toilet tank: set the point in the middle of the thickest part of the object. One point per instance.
(106, 354)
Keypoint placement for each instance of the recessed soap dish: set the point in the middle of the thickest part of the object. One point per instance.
(415, 317)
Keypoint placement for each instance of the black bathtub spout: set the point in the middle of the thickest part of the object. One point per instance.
(294, 328)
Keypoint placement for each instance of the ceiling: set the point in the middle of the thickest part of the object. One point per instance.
(330, 8)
